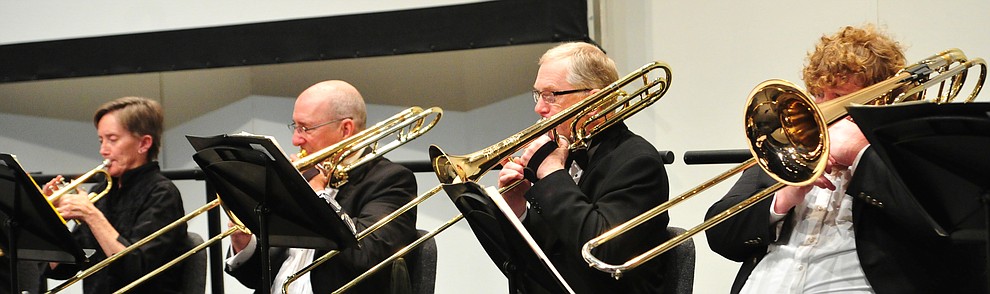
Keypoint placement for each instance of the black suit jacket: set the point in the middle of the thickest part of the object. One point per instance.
(898, 248)
(373, 190)
(624, 177)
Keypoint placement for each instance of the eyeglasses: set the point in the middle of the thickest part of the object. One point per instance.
(551, 97)
(296, 128)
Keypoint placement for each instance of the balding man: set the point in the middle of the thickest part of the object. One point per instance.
(325, 114)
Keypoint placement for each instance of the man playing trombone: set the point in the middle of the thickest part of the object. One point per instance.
(140, 201)
(582, 194)
(820, 237)
(325, 114)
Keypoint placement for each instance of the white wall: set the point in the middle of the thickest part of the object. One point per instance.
(718, 51)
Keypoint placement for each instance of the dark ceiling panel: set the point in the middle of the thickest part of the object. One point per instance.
(479, 25)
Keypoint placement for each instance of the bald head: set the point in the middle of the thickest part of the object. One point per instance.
(327, 113)
(332, 100)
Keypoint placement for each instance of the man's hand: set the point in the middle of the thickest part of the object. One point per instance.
(847, 140)
(512, 172)
(555, 161)
(319, 181)
(789, 197)
(239, 239)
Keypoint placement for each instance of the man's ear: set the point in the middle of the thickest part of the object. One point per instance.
(592, 93)
(347, 127)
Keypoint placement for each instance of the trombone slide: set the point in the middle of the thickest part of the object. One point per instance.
(110, 259)
(364, 233)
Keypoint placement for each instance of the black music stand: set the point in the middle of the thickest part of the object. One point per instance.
(942, 153)
(32, 230)
(504, 238)
(254, 178)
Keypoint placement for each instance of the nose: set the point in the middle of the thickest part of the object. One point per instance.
(542, 108)
(297, 139)
(826, 96)
(104, 149)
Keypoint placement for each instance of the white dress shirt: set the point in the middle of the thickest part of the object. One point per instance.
(819, 253)
(298, 258)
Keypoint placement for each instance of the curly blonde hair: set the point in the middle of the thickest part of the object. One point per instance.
(853, 54)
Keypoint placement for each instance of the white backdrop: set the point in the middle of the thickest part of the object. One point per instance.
(718, 52)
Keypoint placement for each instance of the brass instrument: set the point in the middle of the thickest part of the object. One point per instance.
(66, 188)
(406, 125)
(603, 109)
(238, 227)
(306, 162)
(788, 137)
(110, 259)
(361, 235)
(71, 186)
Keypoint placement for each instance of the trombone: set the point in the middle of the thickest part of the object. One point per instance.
(607, 107)
(238, 226)
(406, 125)
(414, 131)
(788, 137)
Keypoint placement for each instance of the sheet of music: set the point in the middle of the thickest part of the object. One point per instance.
(496, 197)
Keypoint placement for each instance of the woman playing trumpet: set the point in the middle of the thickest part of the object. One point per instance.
(141, 201)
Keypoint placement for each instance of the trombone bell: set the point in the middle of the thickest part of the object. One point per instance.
(788, 136)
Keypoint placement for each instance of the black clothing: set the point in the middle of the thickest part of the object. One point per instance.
(373, 190)
(140, 202)
(624, 176)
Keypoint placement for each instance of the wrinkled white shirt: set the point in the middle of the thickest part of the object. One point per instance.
(819, 254)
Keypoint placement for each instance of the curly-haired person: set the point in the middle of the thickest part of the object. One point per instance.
(856, 228)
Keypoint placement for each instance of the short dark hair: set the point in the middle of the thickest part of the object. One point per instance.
(140, 116)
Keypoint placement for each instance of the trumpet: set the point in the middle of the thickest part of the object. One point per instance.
(609, 106)
(66, 188)
(406, 125)
(788, 137)
(71, 186)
